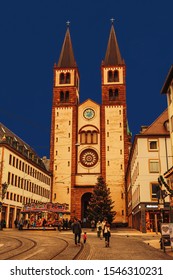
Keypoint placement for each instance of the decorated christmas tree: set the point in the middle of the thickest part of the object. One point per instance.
(100, 205)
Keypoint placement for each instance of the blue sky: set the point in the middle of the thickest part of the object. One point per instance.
(32, 33)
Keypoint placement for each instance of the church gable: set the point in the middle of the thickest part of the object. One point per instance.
(89, 114)
(89, 102)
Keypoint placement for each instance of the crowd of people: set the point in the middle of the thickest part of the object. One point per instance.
(102, 227)
(33, 222)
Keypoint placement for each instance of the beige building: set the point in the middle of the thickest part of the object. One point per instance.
(24, 173)
(168, 90)
(150, 156)
(89, 139)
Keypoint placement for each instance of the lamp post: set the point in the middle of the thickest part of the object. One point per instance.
(3, 191)
(166, 192)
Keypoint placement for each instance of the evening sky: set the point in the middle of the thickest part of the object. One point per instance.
(31, 36)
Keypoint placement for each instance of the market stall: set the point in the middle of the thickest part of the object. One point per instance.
(33, 214)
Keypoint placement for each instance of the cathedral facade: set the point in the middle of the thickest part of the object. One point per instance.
(89, 140)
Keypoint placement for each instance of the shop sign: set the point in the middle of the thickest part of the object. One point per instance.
(151, 206)
(165, 229)
(45, 207)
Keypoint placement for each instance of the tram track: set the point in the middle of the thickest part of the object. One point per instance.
(39, 247)
(67, 251)
(26, 244)
(6, 245)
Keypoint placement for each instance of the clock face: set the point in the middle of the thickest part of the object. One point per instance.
(89, 158)
(89, 113)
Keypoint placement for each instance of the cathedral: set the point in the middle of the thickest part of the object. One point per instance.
(89, 140)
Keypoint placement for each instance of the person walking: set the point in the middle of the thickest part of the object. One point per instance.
(99, 229)
(44, 223)
(59, 225)
(16, 223)
(84, 237)
(107, 234)
(103, 226)
(20, 224)
(93, 225)
(76, 227)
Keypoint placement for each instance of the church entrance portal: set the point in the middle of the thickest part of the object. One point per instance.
(84, 203)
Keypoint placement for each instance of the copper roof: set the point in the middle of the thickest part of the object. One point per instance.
(66, 58)
(113, 56)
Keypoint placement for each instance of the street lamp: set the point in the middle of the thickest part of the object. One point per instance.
(4, 187)
(165, 193)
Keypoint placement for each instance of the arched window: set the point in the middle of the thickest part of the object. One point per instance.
(94, 137)
(110, 76)
(89, 138)
(116, 76)
(67, 96)
(61, 96)
(116, 93)
(67, 78)
(83, 138)
(110, 94)
(62, 78)
(113, 94)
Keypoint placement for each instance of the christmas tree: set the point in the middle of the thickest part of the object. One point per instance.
(100, 205)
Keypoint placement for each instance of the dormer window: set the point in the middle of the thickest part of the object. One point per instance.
(166, 125)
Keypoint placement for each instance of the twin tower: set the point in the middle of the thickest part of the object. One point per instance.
(89, 140)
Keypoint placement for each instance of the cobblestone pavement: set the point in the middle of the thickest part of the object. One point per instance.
(125, 244)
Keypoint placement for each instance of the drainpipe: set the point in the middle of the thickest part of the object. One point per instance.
(166, 149)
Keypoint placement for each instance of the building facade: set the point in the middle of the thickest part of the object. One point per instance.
(168, 90)
(150, 156)
(89, 139)
(24, 173)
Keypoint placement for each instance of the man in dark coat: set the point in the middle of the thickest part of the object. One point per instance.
(76, 227)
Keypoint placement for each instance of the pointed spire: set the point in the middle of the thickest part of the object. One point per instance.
(66, 58)
(113, 56)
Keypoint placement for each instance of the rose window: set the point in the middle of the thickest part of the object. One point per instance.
(89, 158)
